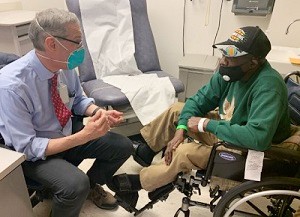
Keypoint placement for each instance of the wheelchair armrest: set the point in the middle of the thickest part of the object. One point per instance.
(233, 146)
(275, 152)
(284, 154)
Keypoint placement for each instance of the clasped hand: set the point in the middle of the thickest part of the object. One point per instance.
(99, 124)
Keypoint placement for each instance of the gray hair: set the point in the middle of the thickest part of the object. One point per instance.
(52, 21)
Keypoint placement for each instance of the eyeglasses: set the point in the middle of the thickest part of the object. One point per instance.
(66, 39)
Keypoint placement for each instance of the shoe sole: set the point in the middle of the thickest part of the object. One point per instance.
(108, 207)
(125, 205)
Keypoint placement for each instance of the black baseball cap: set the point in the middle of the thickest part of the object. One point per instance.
(246, 40)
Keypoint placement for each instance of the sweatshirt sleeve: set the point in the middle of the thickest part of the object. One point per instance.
(266, 110)
(205, 100)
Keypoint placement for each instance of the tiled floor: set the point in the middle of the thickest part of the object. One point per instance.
(161, 209)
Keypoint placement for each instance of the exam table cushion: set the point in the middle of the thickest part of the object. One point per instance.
(105, 94)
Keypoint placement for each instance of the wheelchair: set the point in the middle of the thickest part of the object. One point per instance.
(277, 194)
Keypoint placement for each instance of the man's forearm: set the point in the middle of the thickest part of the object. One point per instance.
(59, 145)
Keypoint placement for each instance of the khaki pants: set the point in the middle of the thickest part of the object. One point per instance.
(297, 213)
(186, 157)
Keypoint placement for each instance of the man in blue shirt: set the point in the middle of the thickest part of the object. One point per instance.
(31, 124)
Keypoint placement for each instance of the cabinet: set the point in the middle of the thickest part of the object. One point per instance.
(14, 199)
(195, 70)
(14, 27)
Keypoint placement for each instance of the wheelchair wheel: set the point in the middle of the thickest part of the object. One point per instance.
(276, 196)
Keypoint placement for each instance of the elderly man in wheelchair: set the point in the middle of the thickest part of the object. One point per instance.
(249, 101)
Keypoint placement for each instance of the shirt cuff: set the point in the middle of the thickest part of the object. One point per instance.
(212, 126)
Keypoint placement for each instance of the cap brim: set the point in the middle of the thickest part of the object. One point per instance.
(228, 42)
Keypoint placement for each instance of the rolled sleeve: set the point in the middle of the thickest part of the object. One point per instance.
(19, 131)
(36, 150)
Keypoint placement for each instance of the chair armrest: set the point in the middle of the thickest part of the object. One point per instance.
(284, 154)
(275, 152)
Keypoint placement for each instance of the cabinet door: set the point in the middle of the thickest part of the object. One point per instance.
(15, 39)
(196, 80)
(24, 43)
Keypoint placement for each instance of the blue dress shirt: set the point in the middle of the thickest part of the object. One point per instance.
(27, 116)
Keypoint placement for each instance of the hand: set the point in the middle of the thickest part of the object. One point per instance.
(173, 144)
(114, 117)
(97, 126)
(193, 124)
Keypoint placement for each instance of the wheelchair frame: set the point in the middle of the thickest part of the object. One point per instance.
(282, 191)
(223, 200)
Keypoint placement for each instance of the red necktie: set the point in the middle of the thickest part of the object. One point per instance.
(63, 114)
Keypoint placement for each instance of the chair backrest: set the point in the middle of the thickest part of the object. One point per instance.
(293, 87)
(6, 58)
(145, 50)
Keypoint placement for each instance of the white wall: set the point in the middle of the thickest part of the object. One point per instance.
(166, 18)
(201, 26)
(6, 5)
(34, 5)
(285, 11)
(37, 5)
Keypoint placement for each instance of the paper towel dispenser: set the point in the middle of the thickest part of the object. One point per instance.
(252, 7)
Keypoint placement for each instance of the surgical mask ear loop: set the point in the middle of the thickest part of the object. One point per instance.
(48, 58)
(50, 35)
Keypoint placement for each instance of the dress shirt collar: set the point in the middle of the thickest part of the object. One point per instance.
(42, 72)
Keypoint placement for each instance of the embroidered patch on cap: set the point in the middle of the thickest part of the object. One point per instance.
(238, 35)
(231, 50)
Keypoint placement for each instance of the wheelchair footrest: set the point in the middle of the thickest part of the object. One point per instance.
(159, 193)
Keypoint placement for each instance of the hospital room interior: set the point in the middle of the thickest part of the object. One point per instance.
(170, 43)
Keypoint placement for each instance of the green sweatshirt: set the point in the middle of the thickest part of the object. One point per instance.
(254, 113)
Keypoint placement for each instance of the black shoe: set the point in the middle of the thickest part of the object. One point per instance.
(127, 183)
(136, 146)
(127, 200)
(161, 193)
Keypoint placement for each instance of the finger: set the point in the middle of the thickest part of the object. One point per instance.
(169, 159)
(176, 145)
(96, 116)
(115, 113)
(115, 120)
(104, 126)
(102, 120)
(166, 158)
